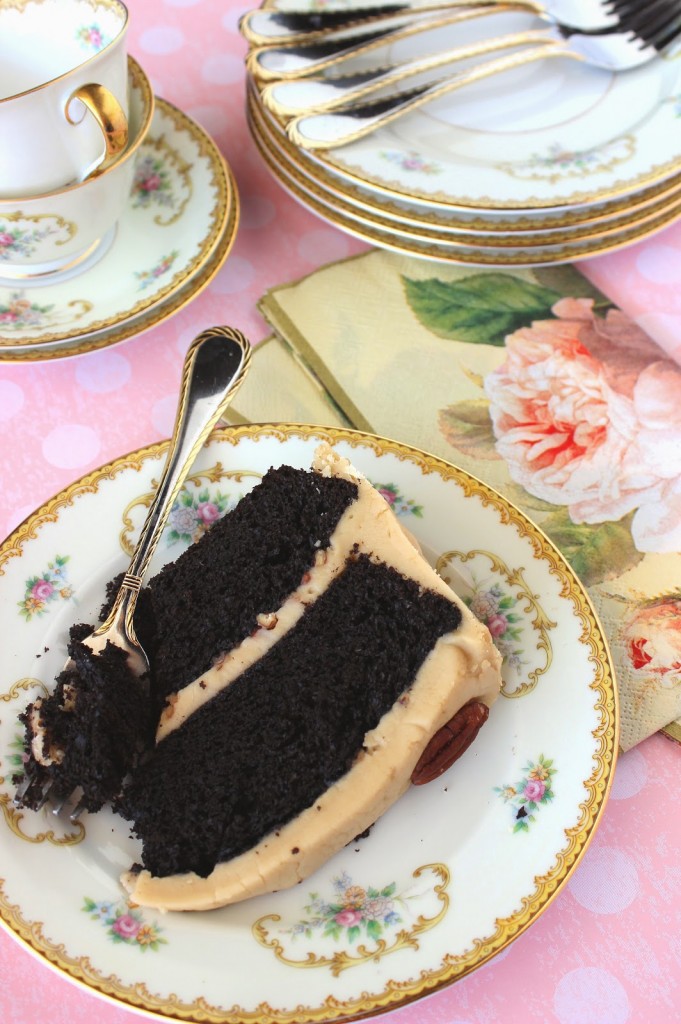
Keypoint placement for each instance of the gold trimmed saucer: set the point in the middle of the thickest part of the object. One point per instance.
(180, 205)
(145, 321)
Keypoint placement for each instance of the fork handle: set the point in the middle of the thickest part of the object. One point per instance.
(292, 97)
(279, 63)
(341, 127)
(215, 366)
(272, 27)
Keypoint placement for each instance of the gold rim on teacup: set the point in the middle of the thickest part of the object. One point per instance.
(68, 122)
(13, 4)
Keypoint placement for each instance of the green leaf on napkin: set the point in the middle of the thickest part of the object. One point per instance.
(596, 553)
(481, 308)
(467, 426)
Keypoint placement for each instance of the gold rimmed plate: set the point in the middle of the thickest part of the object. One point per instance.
(456, 220)
(433, 228)
(445, 880)
(426, 242)
(150, 318)
(552, 136)
(181, 200)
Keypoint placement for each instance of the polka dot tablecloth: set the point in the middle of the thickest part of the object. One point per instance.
(608, 949)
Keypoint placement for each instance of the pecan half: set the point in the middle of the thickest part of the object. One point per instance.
(449, 742)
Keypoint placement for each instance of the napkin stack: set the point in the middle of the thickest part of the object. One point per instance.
(532, 381)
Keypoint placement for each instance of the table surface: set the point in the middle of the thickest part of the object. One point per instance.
(608, 949)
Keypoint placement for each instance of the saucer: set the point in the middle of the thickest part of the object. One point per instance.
(181, 203)
(144, 321)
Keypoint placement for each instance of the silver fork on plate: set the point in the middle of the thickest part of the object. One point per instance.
(284, 25)
(339, 47)
(215, 366)
(614, 51)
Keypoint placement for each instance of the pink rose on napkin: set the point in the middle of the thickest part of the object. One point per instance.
(586, 414)
(653, 639)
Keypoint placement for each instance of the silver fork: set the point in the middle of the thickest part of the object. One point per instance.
(316, 94)
(339, 47)
(618, 51)
(276, 26)
(215, 366)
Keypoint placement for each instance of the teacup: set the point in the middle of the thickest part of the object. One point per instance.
(59, 230)
(63, 92)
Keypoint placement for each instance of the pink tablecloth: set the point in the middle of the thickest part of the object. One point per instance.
(608, 950)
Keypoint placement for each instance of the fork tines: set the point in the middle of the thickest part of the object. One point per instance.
(656, 23)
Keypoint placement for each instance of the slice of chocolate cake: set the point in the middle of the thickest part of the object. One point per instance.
(304, 654)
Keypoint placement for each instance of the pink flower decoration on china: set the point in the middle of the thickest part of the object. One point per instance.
(42, 590)
(6, 240)
(586, 414)
(497, 625)
(534, 789)
(126, 926)
(347, 918)
(208, 512)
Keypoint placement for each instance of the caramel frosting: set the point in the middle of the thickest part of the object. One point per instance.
(464, 665)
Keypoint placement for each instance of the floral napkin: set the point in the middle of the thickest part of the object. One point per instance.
(536, 383)
(280, 388)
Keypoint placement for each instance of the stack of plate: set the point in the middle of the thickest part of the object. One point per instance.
(552, 162)
(175, 233)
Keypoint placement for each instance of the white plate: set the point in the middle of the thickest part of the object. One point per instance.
(446, 879)
(456, 222)
(429, 242)
(549, 135)
(179, 204)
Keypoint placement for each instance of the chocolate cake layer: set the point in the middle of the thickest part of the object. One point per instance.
(281, 734)
(207, 601)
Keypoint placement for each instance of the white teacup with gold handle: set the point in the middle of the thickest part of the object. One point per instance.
(63, 92)
(68, 229)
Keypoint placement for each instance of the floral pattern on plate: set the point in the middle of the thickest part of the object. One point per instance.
(533, 790)
(125, 923)
(410, 162)
(152, 182)
(43, 590)
(193, 514)
(400, 505)
(501, 598)
(18, 312)
(145, 278)
(364, 922)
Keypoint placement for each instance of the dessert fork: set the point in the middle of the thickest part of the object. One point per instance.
(334, 48)
(283, 25)
(618, 51)
(215, 366)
